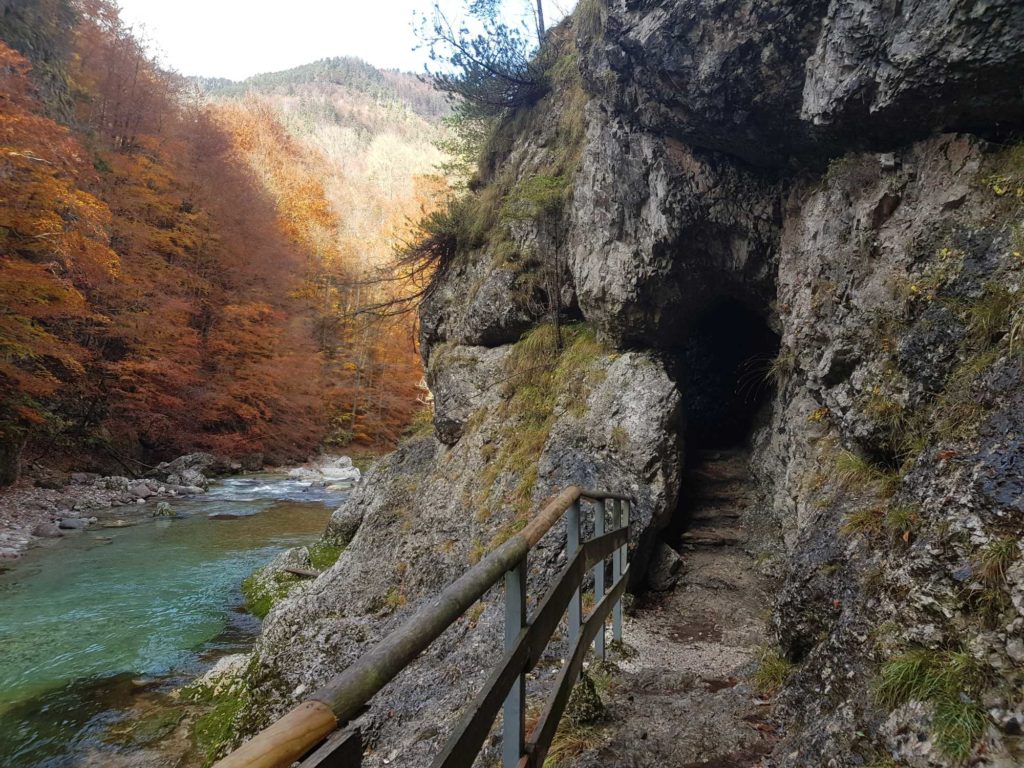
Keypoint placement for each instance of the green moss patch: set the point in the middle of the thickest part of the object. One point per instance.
(262, 592)
(214, 729)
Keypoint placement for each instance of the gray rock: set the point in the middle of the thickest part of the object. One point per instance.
(73, 524)
(163, 509)
(141, 490)
(343, 525)
(664, 571)
(47, 531)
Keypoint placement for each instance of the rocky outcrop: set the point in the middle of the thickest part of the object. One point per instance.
(827, 167)
(427, 511)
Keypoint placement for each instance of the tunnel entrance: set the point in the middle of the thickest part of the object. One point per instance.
(723, 372)
(722, 368)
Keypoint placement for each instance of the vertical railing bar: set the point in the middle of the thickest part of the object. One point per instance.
(618, 560)
(514, 721)
(572, 521)
(599, 521)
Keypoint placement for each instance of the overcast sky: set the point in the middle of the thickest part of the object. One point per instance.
(239, 38)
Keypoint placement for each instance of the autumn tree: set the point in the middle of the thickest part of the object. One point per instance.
(52, 242)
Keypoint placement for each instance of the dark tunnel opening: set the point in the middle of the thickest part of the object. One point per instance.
(723, 370)
(724, 373)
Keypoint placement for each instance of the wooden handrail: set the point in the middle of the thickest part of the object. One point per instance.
(343, 697)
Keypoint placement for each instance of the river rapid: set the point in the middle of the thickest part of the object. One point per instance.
(92, 622)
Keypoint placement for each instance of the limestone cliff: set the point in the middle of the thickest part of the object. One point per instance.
(795, 224)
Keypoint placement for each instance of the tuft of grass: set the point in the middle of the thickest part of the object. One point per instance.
(395, 599)
(995, 559)
(869, 521)
(958, 727)
(772, 671)
(902, 521)
(782, 366)
(951, 681)
(853, 470)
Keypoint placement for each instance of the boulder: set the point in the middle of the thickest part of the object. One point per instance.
(114, 483)
(73, 524)
(47, 531)
(141, 490)
(663, 573)
(340, 474)
(343, 525)
(163, 509)
(189, 477)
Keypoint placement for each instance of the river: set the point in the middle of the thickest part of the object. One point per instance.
(89, 621)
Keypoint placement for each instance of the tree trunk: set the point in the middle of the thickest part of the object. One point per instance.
(11, 447)
(540, 21)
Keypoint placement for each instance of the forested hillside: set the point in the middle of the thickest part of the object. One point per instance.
(174, 274)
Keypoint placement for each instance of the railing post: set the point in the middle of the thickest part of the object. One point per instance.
(599, 519)
(572, 546)
(618, 564)
(515, 703)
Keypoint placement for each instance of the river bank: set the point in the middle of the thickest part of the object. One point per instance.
(103, 627)
(51, 505)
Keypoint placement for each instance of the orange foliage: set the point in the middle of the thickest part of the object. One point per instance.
(176, 277)
(372, 367)
(52, 241)
(153, 298)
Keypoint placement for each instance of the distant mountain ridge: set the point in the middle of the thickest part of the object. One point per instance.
(347, 72)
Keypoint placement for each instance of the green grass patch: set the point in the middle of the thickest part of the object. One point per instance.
(540, 375)
(949, 680)
(773, 670)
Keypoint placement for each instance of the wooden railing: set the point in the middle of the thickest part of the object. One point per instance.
(310, 732)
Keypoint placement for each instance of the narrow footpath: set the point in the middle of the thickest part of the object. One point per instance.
(684, 700)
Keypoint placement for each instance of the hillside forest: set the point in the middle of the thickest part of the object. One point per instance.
(190, 264)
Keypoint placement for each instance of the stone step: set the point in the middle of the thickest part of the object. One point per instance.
(712, 536)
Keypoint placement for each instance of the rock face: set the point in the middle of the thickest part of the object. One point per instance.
(828, 168)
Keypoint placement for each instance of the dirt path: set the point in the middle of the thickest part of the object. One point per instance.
(683, 700)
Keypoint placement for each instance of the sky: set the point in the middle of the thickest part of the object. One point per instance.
(239, 38)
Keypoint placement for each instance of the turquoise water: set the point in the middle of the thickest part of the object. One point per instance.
(87, 620)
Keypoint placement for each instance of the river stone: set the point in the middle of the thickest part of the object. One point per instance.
(140, 490)
(47, 531)
(163, 509)
(73, 524)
